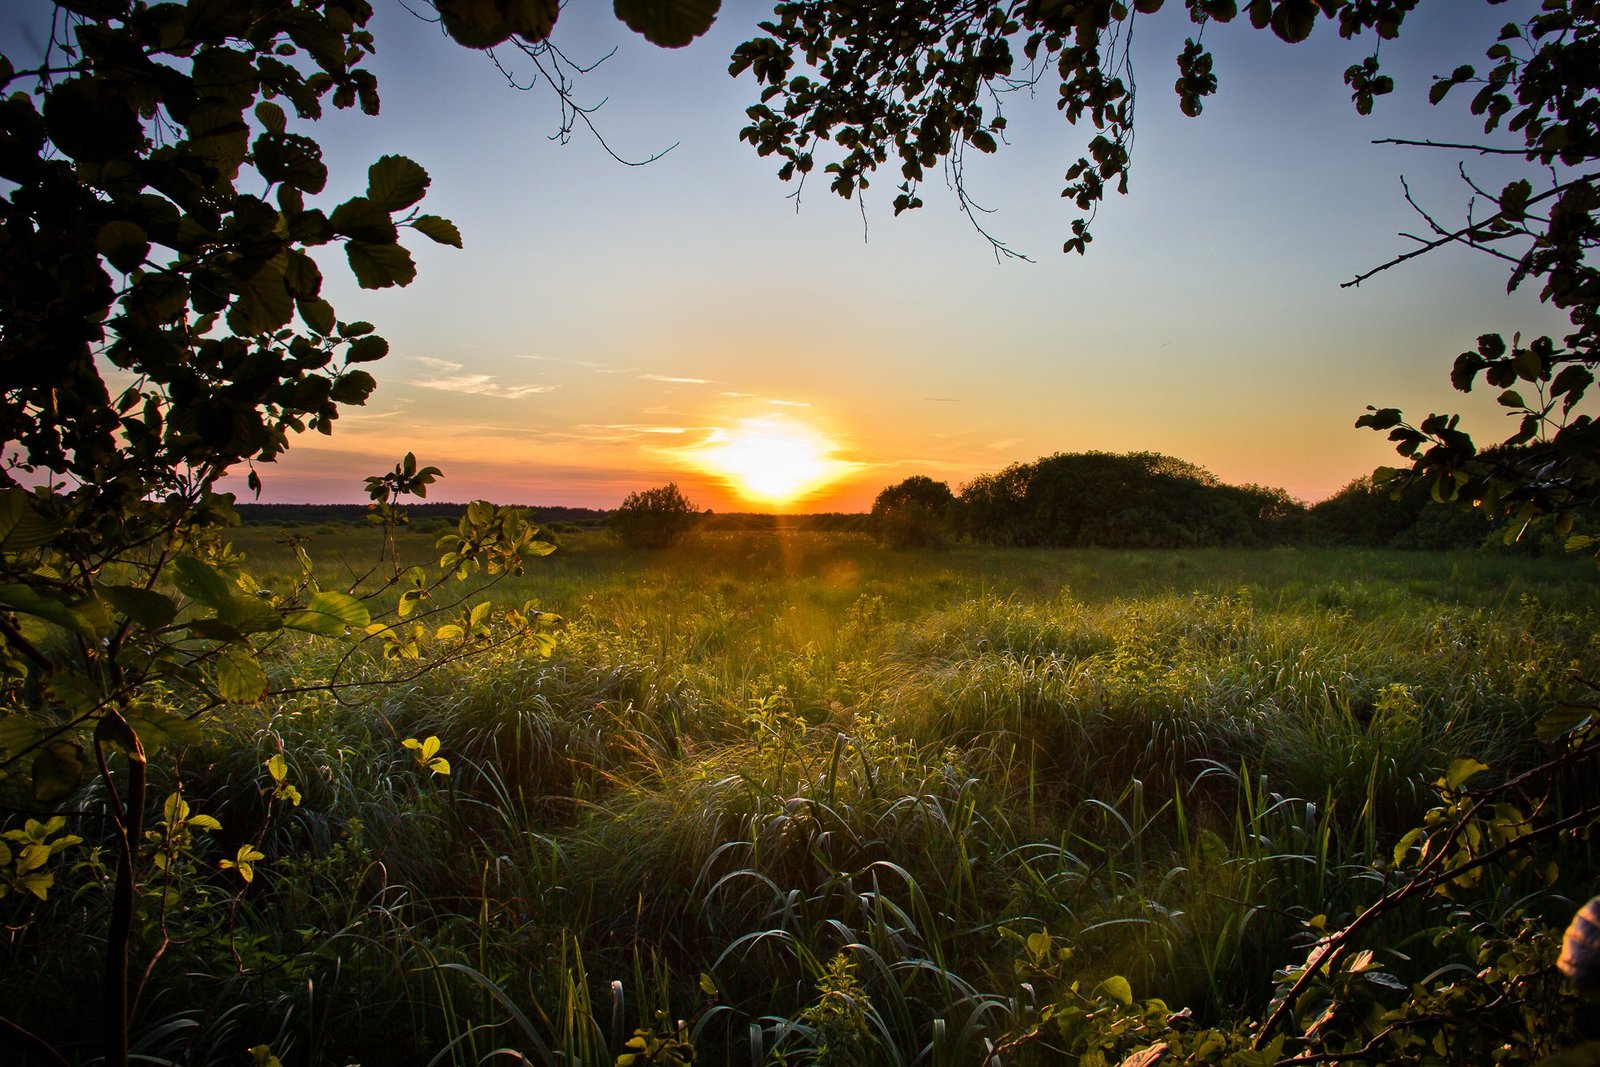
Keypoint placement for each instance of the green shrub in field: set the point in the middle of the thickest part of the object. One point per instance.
(654, 518)
(913, 514)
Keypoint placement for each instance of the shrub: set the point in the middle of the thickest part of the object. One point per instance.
(913, 514)
(654, 518)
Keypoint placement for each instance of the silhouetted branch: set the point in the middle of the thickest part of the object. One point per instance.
(1482, 150)
(1461, 234)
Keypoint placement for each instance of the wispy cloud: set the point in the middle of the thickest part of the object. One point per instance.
(348, 415)
(998, 446)
(438, 364)
(479, 385)
(671, 379)
(790, 403)
(944, 399)
(629, 427)
(736, 396)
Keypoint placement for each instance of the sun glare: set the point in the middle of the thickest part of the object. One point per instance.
(771, 460)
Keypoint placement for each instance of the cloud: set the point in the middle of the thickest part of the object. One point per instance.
(790, 403)
(632, 427)
(445, 365)
(673, 380)
(348, 415)
(944, 399)
(479, 385)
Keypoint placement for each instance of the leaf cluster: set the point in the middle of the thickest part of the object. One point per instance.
(854, 86)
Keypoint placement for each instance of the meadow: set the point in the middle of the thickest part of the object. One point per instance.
(793, 798)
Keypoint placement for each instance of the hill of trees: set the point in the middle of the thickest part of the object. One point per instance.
(1148, 500)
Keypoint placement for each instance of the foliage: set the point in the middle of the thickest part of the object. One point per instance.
(1540, 84)
(1365, 513)
(854, 86)
(913, 514)
(1138, 500)
(654, 518)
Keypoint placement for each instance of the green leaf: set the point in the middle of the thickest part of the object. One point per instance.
(379, 266)
(1118, 989)
(18, 733)
(271, 116)
(57, 771)
(202, 582)
(394, 183)
(292, 160)
(317, 314)
(362, 220)
(438, 229)
(1462, 769)
(124, 244)
(21, 525)
(668, 23)
(117, 730)
(474, 23)
(91, 120)
(85, 618)
(156, 726)
(148, 608)
(1530, 368)
(1039, 944)
(367, 349)
(1293, 20)
(329, 614)
(250, 615)
(240, 679)
(352, 387)
(1563, 719)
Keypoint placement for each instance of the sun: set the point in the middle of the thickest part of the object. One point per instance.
(771, 460)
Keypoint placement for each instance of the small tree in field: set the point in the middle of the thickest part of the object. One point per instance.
(913, 514)
(654, 518)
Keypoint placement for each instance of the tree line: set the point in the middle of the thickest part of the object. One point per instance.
(1148, 500)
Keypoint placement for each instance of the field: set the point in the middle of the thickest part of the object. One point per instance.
(793, 798)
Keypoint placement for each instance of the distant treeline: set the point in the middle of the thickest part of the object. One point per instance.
(595, 518)
(1101, 499)
(323, 514)
(1147, 500)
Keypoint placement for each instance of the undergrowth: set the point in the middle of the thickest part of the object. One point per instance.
(794, 800)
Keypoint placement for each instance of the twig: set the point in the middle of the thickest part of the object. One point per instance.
(1484, 150)
(1459, 235)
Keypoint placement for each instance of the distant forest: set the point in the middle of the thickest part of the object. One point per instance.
(1132, 500)
(1147, 500)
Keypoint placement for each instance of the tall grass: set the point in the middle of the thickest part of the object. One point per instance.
(790, 795)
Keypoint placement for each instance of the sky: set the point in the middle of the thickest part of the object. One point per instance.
(608, 328)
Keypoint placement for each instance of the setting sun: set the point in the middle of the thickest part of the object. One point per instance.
(770, 460)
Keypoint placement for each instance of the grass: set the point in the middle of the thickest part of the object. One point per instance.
(811, 798)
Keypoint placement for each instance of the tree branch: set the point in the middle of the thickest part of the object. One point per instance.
(1461, 234)
(1483, 150)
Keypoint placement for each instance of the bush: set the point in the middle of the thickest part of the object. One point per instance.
(654, 518)
(912, 514)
